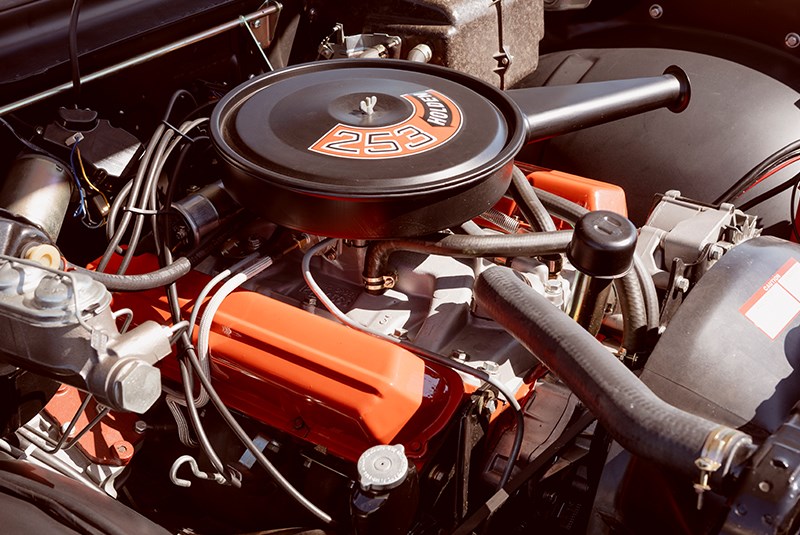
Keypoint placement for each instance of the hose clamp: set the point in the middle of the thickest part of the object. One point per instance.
(718, 452)
(376, 284)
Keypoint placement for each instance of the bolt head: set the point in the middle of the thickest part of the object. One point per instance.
(458, 354)
(491, 367)
(681, 283)
(656, 11)
(122, 450)
(136, 387)
(792, 40)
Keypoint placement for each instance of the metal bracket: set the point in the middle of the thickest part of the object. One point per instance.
(503, 59)
(367, 45)
(768, 497)
(262, 29)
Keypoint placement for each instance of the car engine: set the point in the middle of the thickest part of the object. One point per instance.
(399, 267)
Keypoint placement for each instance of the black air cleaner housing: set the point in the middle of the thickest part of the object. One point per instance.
(367, 149)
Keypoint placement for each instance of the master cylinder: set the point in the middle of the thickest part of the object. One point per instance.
(60, 325)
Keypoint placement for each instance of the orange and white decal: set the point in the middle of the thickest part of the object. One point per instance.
(435, 120)
(777, 302)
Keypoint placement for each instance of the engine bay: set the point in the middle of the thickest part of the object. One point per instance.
(409, 266)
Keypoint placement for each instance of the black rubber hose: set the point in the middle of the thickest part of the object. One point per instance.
(560, 207)
(639, 420)
(461, 246)
(651, 304)
(639, 311)
(529, 204)
(634, 312)
(146, 281)
(164, 276)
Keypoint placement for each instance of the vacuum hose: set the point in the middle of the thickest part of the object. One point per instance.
(639, 420)
(460, 246)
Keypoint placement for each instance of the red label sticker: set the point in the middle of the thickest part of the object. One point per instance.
(435, 120)
(777, 302)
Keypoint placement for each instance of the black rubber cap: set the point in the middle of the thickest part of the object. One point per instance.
(78, 120)
(603, 244)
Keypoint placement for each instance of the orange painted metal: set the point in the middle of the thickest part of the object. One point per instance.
(109, 442)
(312, 377)
(591, 194)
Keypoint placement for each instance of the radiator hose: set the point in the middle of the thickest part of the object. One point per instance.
(639, 420)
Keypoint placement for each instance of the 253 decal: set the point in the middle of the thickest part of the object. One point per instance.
(435, 120)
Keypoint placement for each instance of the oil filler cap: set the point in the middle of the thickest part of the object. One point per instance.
(603, 244)
(382, 468)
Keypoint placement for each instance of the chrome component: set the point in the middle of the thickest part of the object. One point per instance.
(205, 210)
(196, 472)
(61, 325)
(382, 468)
(719, 450)
(421, 53)
(792, 40)
(38, 189)
(554, 292)
(366, 45)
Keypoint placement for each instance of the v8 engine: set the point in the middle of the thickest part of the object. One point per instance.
(406, 267)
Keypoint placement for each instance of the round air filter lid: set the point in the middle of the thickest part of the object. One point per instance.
(374, 130)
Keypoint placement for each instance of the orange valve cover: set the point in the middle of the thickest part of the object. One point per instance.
(311, 377)
(591, 194)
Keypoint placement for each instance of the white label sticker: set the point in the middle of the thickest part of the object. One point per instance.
(777, 302)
